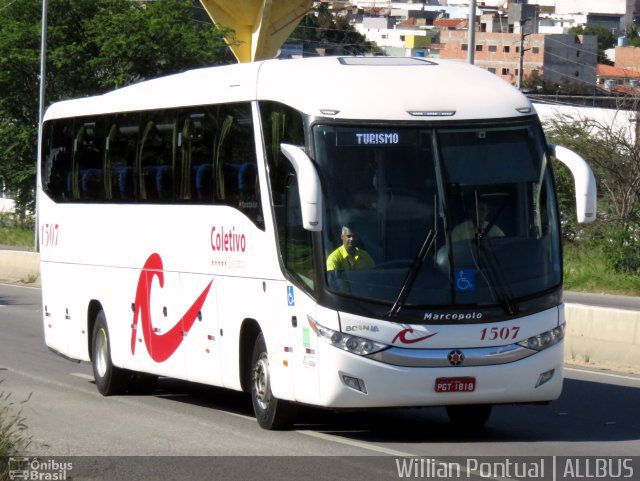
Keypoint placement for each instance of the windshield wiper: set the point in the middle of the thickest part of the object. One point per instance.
(412, 273)
(496, 276)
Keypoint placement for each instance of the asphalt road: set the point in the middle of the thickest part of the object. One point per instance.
(174, 433)
(603, 300)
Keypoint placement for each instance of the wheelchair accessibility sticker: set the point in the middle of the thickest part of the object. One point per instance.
(290, 298)
(465, 280)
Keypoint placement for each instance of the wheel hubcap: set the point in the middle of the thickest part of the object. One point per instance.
(261, 386)
(100, 358)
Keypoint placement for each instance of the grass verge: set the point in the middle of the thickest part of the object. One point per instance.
(14, 439)
(16, 231)
(588, 269)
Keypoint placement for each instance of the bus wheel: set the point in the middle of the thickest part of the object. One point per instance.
(271, 413)
(471, 416)
(109, 379)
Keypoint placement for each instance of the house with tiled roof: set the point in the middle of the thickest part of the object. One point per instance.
(617, 79)
(451, 23)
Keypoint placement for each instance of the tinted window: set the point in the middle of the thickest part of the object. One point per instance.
(201, 155)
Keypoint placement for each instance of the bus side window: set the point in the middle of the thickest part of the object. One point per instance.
(120, 156)
(88, 171)
(56, 159)
(156, 159)
(298, 253)
(196, 157)
(236, 167)
(282, 124)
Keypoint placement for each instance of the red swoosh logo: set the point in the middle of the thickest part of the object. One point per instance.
(402, 337)
(160, 346)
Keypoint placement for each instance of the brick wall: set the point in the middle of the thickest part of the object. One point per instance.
(628, 58)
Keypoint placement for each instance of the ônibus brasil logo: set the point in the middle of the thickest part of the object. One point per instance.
(164, 345)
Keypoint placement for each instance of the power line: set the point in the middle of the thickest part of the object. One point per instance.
(551, 38)
(573, 79)
(564, 59)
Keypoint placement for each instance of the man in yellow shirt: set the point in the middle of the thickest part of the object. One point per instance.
(348, 256)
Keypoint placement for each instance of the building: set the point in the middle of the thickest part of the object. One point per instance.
(556, 59)
(612, 14)
(628, 58)
(617, 79)
(411, 38)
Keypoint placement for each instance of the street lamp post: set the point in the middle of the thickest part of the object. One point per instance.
(43, 59)
(43, 74)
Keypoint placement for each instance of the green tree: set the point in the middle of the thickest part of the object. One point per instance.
(633, 36)
(614, 155)
(92, 46)
(615, 158)
(321, 29)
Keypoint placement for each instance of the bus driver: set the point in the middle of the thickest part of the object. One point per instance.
(476, 224)
(348, 256)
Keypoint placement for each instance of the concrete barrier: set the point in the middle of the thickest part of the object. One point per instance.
(20, 266)
(605, 338)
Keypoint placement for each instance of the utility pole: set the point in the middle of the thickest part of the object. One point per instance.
(43, 58)
(43, 76)
(522, 50)
(471, 32)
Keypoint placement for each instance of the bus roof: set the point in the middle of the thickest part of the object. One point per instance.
(369, 88)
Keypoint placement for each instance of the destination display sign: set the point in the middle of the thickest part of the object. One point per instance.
(368, 138)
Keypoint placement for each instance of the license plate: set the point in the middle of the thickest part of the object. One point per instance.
(455, 384)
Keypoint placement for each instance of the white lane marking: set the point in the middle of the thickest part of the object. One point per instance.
(81, 375)
(600, 373)
(19, 286)
(241, 416)
(357, 444)
(398, 454)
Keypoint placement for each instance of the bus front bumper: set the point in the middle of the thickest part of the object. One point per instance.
(350, 381)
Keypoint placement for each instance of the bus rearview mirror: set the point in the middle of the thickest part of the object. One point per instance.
(584, 181)
(308, 186)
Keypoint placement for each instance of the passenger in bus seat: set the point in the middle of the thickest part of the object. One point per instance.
(349, 256)
(164, 182)
(245, 177)
(125, 179)
(91, 183)
(476, 224)
(204, 181)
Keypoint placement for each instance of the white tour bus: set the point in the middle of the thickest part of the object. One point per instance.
(185, 225)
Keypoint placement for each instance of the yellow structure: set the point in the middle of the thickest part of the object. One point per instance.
(261, 26)
(417, 41)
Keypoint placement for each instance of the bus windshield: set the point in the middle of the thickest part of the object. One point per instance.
(421, 217)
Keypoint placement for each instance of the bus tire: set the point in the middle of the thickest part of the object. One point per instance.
(472, 416)
(271, 413)
(109, 378)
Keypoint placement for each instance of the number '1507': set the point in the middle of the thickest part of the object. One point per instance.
(49, 235)
(502, 333)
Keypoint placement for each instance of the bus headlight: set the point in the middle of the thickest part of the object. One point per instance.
(544, 340)
(346, 342)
